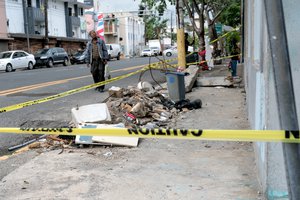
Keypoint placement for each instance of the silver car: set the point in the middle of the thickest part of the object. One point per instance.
(12, 60)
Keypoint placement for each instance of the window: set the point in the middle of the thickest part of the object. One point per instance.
(16, 55)
(29, 3)
(22, 54)
(70, 11)
(38, 3)
(81, 11)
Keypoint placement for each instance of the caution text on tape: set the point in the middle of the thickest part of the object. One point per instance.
(195, 134)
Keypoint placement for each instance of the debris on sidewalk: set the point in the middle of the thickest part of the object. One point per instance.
(190, 80)
(105, 140)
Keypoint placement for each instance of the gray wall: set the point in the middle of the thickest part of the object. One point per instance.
(260, 88)
(3, 45)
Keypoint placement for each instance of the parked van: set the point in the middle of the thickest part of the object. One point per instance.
(114, 51)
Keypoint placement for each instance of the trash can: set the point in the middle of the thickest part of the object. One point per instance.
(176, 86)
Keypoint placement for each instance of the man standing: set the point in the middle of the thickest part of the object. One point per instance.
(96, 58)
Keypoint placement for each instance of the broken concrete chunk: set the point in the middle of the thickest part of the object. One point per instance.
(126, 107)
(139, 110)
(152, 93)
(191, 78)
(145, 86)
(115, 92)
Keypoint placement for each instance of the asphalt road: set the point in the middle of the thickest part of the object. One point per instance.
(26, 85)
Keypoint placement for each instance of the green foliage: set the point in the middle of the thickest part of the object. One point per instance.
(232, 15)
(155, 27)
(232, 40)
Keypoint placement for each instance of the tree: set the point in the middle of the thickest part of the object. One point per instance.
(155, 27)
(232, 15)
(209, 10)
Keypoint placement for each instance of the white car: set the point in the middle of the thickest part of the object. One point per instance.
(155, 50)
(173, 51)
(147, 52)
(12, 60)
(170, 52)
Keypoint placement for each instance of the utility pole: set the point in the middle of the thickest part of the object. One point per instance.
(25, 7)
(46, 22)
(193, 10)
(133, 36)
(180, 35)
(171, 28)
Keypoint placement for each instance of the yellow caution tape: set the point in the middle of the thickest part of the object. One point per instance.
(236, 29)
(195, 134)
(156, 65)
(77, 90)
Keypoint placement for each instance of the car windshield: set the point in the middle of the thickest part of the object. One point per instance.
(5, 55)
(42, 51)
(146, 50)
(79, 53)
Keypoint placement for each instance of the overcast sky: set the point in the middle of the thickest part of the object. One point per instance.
(118, 5)
(108, 6)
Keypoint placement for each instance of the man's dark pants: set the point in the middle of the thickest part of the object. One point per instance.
(97, 70)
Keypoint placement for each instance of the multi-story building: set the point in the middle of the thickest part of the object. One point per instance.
(3, 28)
(66, 24)
(111, 29)
(131, 33)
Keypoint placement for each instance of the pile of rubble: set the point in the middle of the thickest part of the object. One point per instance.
(145, 106)
(140, 107)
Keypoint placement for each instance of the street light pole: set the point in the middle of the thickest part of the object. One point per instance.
(171, 28)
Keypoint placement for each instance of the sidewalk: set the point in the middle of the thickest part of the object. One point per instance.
(156, 169)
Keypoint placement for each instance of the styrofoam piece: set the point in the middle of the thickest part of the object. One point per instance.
(93, 113)
(106, 140)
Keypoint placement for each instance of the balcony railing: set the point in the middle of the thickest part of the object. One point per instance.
(75, 21)
(35, 14)
(110, 28)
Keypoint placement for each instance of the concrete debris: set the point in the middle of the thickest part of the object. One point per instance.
(105, 140)
(145, 86)
(190, 80)
(108, 154)
(137, 107)
(115, 92)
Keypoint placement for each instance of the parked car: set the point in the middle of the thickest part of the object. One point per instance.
(51, 56)
(78, 57)
(155, 50)
(12, 60)
(170, 52)
(147, 52)
(114, 51)
(173, 51)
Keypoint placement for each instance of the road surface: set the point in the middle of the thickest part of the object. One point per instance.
(26, 85)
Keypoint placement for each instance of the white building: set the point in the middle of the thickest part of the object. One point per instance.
(62, 15)
(65, 19)
(131, 33)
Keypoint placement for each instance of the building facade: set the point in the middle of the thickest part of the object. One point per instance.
(66, 24)
(262, 89)
(131, 34)
(3, 28)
